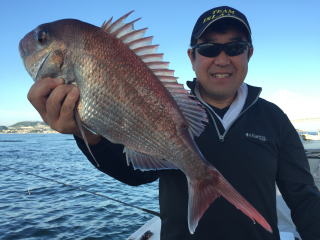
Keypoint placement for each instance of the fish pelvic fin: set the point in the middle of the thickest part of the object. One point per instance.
(79, 124)
(142, 46)
(203, 193)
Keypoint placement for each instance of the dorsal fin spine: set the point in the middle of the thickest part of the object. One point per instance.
(126, 28)
(118, 23)
(152, 57)
(106, 24)
(166, 79)
(163, 72)
(131, 36)
(158, 65)
(145, 49)
(140, 42)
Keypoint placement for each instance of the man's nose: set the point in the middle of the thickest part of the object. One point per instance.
(222, 59)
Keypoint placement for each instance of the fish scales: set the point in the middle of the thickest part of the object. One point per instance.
(126, 92)
(120, 106)
(114, 121)
(127, 102)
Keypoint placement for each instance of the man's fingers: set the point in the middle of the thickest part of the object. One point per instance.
(55, 101)
(69, 104)
(40, 91)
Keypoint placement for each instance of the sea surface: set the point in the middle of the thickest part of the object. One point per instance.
(38, 208)
(35, 205)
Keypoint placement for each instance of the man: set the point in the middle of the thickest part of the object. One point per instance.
(249, 140)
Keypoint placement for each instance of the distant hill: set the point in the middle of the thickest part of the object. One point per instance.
(28, 124)
(27, 127)
(3, 128)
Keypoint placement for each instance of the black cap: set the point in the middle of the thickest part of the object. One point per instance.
(215, 14)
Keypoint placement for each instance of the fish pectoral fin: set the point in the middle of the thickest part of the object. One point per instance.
(203, 193)
(146, 162)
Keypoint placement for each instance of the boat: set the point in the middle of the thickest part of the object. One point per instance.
(315, 136)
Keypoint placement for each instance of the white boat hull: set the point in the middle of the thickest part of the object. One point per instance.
(149, 231)
(307, 137)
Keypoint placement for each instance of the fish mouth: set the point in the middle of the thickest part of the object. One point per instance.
(33, 56)
(21, 49)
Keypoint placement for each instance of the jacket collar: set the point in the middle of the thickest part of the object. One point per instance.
(253, 92)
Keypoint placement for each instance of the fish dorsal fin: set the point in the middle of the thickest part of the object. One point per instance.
(142, 46)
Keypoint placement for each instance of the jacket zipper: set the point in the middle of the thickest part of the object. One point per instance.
(210, 110)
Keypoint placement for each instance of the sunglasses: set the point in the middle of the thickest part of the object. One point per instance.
(232, 49)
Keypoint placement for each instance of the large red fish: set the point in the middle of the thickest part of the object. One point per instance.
(128, 96)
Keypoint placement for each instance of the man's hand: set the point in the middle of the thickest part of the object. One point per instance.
(56, 102)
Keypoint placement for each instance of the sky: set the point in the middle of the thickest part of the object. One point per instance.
(286, 37)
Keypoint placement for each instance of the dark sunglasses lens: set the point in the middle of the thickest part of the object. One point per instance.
(209, 50)
(235, 49)
(213, 50)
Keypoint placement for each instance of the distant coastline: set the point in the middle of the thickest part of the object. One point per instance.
(27, 127)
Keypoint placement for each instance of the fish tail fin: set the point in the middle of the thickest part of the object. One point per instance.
(231, 195)
(200, 198)
(203, 193)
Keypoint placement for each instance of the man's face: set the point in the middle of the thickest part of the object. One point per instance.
(220, 76)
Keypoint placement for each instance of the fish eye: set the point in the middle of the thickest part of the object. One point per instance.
(42, 36)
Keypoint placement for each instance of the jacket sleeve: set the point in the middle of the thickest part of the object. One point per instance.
(297, 186)
(113, 162)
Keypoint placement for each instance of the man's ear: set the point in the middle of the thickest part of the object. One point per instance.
(192, 56)
(250, 53)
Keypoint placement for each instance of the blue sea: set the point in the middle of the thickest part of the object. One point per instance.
(36, 208)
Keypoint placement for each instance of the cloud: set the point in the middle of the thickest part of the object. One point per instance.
(297, 106)
(302, 110)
